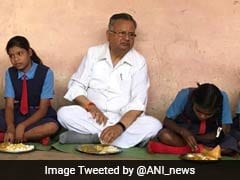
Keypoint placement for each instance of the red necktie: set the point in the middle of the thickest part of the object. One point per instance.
(24, 98)
(202, 128)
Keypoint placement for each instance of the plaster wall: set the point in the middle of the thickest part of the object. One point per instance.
(184, 41)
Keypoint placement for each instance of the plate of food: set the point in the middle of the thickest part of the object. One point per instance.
(99, 149)
(197, 157)
(207, 155)
(15, 148)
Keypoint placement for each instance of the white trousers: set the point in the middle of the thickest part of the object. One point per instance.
(75, 118)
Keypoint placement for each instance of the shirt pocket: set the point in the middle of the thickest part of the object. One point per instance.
(125, 81)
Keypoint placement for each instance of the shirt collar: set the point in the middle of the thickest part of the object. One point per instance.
(30, 73)
(105, 56)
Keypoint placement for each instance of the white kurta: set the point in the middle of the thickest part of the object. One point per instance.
(115, 91)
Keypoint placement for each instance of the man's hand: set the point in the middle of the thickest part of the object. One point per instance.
(98, 115)
(91, 108)
(110, 133)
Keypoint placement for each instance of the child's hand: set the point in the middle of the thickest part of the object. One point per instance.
(19, 133)
(9, 134)
(9, 137)
(189, 138)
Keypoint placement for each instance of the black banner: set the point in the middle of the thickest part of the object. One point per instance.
(110, 169)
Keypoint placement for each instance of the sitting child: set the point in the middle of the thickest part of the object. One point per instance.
(28, 114)
(197, 117)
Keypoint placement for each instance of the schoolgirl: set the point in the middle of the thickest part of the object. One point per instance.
(199, 116)
(28, 114)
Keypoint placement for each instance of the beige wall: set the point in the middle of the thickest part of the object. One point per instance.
(184, 41)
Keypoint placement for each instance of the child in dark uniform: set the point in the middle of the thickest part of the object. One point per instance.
(235, 131)
(198, 116)
(28, 115)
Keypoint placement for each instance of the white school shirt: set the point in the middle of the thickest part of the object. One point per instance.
(116, 89)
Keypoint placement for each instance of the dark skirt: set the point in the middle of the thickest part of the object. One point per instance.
(227, 142)
(51, 116)
(235, 131)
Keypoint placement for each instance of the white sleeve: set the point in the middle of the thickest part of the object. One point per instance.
(79, 81)
(139, 91)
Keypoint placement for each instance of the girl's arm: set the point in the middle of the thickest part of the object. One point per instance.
(40, 113)
(9, 118)
(206, 137)
(183, 132)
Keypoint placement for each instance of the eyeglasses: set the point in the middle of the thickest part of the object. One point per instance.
(124, 34)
